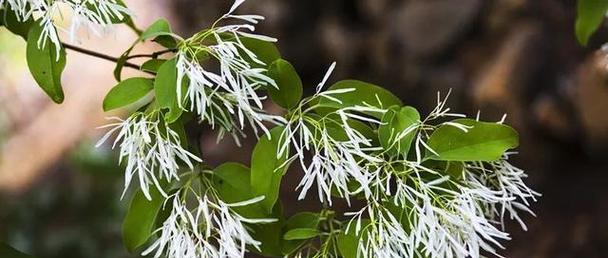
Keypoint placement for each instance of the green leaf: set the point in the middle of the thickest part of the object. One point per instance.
(301, 234)
(334, 126)
(165, 90)
(289, 84)
(127, 92)
(266, 170)
(152, 65)
(7, 251)
(14, 25)
(161, 31)
(270, 235)
(44, 64)
(395, 121)
(122, 60)
(158, 27)
(483, 141)
(590, 15)
(303, 221)
(266, 51)
(141, 219)
(348, 241)
(231, 180)
(363, 94)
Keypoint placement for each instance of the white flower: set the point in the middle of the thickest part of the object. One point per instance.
(92, 14)
(211, 229)
(335, 161)
(150, 154)
(227, 97)
(445, 216)
(20, 7)
(504, 183)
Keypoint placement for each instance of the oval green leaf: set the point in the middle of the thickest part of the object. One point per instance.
(161, 31)
(165, 90)
(289, 84)
(140, 220)
(158, 27)
(46, 64)
(152, 65)
(482, 142)
(266, 170)
(127, 92)
(363, 94)
(395, 121)
(309, 221)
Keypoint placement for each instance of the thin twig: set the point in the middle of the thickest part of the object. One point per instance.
(153, 55)
(102, 56)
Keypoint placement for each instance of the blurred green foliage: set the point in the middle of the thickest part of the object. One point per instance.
(75, 211)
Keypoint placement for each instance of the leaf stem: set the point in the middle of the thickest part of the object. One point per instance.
(101, 56)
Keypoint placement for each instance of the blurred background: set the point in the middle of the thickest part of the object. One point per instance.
(60, 196)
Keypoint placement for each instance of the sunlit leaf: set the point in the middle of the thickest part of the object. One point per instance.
(152, 65)
(161, 31)
(127, 92)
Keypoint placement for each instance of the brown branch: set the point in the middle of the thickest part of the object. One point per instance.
(102, 56)
(153, 55)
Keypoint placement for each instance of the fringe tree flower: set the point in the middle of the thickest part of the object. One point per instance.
(211, 229)
(455, 215)
(439, 215)
(227, 97)
(335, 160)
(151, 152)
(92, 14)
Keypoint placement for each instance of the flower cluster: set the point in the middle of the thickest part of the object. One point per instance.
(210, 229)
(150, 147)
(334, 160)
(446, 215)
(227, 97)
(92, 14)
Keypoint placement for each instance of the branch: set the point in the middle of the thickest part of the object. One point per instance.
(153, 55)
(102, 56)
